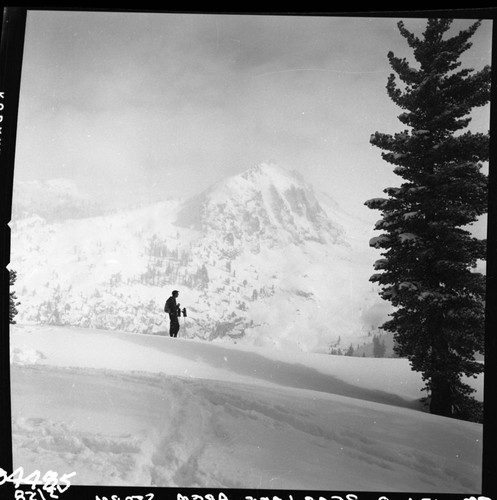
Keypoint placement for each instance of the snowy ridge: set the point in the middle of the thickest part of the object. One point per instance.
(53, 199)
(129, 409)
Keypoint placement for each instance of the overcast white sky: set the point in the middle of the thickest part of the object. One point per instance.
(135, 105)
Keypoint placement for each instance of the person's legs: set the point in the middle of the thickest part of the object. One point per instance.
(174, 327)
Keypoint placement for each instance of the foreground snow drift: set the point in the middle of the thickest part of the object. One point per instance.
(126, 409)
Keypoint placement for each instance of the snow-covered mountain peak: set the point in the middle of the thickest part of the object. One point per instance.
(272, 173)
(263, 204)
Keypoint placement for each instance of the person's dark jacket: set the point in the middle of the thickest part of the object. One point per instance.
(172, 306)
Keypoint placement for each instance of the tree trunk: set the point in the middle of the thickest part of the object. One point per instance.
(440, 402)
(441, 394)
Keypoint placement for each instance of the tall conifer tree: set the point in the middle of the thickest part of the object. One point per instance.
(427, 271)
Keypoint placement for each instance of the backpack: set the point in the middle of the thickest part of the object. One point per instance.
(167, 309)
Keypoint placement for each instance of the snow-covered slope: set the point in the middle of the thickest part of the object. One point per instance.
(259, 259)
(127, 409)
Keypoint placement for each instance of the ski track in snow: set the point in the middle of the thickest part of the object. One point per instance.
(225, 427)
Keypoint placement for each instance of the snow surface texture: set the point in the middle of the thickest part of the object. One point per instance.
(128, 409)
(259, 259)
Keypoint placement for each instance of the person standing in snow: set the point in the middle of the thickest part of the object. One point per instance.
(172, 308)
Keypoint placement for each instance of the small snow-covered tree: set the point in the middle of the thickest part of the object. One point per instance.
(429, 256)
(13, 303)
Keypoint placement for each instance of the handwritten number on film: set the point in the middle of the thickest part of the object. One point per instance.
(53, 485)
